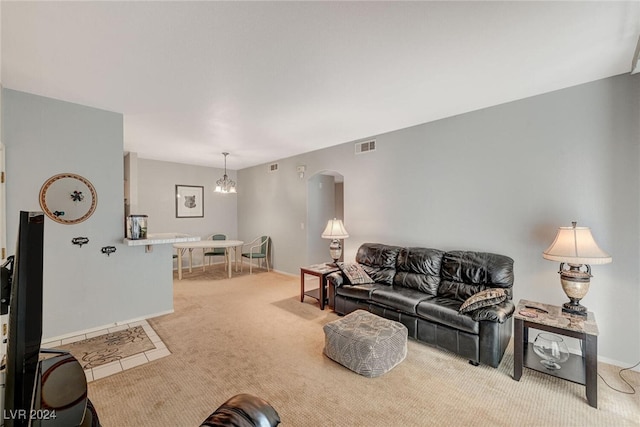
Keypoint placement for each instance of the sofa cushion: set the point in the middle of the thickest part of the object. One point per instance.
(491, 296)
(445, 311)
(362, 292)
(464, 274)
(419, 268)
(379, 261)
(354, 273)
(401, 299)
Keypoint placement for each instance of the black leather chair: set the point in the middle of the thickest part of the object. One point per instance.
(243, 410)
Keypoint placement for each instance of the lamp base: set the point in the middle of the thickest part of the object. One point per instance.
(335, 251)
(575, 284)
(574, 307)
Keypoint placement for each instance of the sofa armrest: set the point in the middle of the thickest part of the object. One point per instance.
(495, 313)
(336, 279)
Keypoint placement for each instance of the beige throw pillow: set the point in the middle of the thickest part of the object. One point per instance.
(484, 298)
(354, 273)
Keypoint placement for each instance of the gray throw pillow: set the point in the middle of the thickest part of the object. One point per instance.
(354, 273)
(491, 296)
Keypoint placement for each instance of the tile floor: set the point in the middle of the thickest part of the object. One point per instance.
(107, 369)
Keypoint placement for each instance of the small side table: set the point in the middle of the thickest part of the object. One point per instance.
(578, 369)
(321, 271)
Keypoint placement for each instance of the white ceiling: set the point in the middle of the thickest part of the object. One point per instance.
(268, 80)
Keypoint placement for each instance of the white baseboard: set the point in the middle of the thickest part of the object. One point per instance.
(110, 325)
(618, 363)
(286, 273)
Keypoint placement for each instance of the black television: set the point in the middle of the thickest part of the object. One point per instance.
(24, 277)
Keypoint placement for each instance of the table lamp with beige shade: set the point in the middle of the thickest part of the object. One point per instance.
(575, 246)
(335, 231)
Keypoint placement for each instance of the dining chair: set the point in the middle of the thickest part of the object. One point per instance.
(216, 251)
(258, 249)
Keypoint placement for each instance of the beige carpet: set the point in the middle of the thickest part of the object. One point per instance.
(251, 334)
(216, 271)
(107, 348)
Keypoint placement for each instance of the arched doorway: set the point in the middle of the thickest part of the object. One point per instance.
(325, 201)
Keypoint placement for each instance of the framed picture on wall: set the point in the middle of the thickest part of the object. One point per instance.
(189, 201)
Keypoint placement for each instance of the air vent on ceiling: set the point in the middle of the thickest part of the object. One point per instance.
(273, 167)
(365, 147)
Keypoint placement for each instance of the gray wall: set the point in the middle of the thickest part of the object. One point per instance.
(275, 204)
(156, 183)
(500, 179)
(320, 209)
(83, 288)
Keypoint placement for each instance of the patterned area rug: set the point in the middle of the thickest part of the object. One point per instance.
(110, 347)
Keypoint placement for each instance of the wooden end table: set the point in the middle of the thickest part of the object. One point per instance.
(581, 369)
(321, 271)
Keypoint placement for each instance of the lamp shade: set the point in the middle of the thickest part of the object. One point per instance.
(335, 230)
(575, 245)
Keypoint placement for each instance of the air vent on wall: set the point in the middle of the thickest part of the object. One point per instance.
(273, 167)
(365, 147)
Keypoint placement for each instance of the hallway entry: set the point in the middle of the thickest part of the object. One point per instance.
(325, 201)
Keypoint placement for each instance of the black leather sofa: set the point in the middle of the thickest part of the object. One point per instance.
(424, 288)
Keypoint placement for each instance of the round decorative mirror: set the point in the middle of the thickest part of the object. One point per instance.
(68, 198)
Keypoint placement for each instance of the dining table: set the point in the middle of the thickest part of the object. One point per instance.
(204, 245)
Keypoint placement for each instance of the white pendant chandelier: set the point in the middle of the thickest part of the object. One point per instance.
(225, 184)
